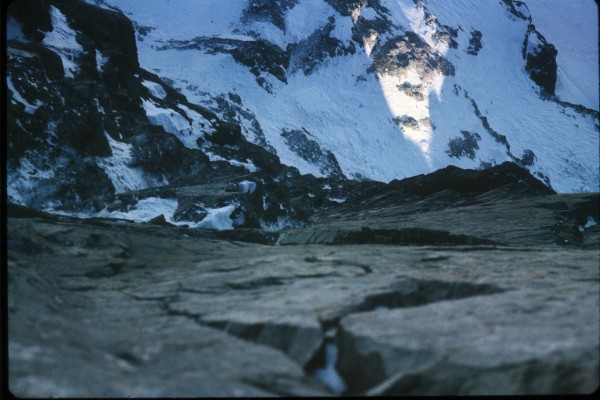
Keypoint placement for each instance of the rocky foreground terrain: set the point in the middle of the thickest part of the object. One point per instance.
(417, 287)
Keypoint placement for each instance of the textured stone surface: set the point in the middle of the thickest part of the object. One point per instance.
(106, 308)
(538, 337)
(500, 215)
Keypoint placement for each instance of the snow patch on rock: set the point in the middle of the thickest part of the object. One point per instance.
(122, 176)
(29, 108)
(217, 218)
(248, 164)
(100, 61)
(173, 122)
(144, 210)
(62, 39)
(22, 182)
(155, 89)
(247, 186)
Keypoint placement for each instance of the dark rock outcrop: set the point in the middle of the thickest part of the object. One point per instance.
(299, 142)
(465, 146)
(472, 181)
(518, 9)
(474, 43)
(308, 54)
(110, 32)
(540, 60)
(65, 127)
(63, 139)
(394, 56)
(268, 11)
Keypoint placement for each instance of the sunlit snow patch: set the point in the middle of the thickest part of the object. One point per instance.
(402, 105)
(62, 40)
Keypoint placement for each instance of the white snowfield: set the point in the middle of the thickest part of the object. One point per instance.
(577, 46)
(353, 113)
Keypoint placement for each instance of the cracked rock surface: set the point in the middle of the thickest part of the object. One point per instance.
(113, 309)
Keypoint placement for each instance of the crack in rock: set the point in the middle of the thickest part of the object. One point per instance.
(323, 365)
(416, 292)
(298, 341)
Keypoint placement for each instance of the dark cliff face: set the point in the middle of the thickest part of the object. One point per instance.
(76, 112)
(77, 125)
(97, 30)
(68, 124)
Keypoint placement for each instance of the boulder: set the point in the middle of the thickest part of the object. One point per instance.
(523, 341)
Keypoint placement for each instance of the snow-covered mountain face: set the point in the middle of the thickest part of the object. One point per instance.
(385, 89)
(106, 97)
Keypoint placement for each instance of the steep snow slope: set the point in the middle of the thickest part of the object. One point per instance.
(572, 26)
(383, 89)
(565, 143)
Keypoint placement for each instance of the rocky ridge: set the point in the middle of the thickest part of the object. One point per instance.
(370, 297)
